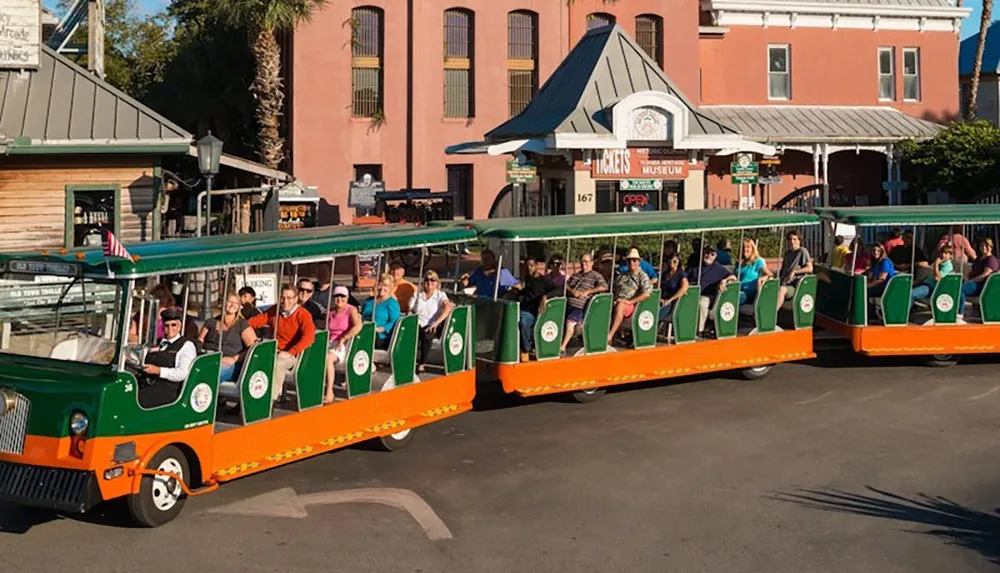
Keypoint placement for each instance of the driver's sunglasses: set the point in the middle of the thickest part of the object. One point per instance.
(174, 323)
(305, 290)
(430, 280)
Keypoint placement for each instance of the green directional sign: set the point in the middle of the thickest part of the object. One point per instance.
(744, 169)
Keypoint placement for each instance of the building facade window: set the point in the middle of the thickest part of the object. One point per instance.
(911, 74)
(91, 210)
(522, 59)
(886, 74)
(367, 48)
(779, 75)
(460, 185)
(649, 36)
(459, 54)
(599, 20)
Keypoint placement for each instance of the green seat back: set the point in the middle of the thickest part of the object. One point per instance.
(765, 308)
(685, 315)
(310, 374)
(597, 323)
(455, 343)
(403, 349)
(944, 299)
(644, 321)
(804, 302)
(727, 315)
(358, 367)
(896, 300)
(989, 300)
(509, 345)
(549, 328)
(255, 381)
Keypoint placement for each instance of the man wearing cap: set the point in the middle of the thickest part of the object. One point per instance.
(308, 302)
(631, 288)
(168, 365)
(712, 277)
(292, 326)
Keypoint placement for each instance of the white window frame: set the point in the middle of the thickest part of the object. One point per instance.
(788, 71)
(891, 74)
(915, 76)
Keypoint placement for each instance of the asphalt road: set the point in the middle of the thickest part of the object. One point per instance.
(887, 467)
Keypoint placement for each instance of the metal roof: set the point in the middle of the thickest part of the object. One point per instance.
(824, 124)
(63, 104)
(991, 52)
(914, 214)
(605, 67)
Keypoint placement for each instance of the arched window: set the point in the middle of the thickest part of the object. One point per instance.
(599, 20)
(459, 53)
(367, 48)
(649, 35)
(522, 59)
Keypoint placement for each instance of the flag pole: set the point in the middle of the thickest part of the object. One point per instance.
(104, 249)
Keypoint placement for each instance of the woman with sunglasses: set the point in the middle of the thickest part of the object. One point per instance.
(383, 310)
(344, 324)
(431, 305)
(556, 272)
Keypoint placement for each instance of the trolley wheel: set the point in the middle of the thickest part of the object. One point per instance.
(757, 372)
(161, 499)
(590, 395)
(396, 441)
(941, 360)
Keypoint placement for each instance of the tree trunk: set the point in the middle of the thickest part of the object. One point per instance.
(977, 66)
(268, 91)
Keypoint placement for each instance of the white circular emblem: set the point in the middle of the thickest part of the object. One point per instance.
(646, 320)
(727, 312)
(550, 331)
(806, 303)
(646, 123)
(455, 344)
(945, 303)
(258, 385)
(201, 398)
(360, 363)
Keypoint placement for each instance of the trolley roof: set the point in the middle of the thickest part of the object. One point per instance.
(301, 245)
(905, 215)
(632, 224)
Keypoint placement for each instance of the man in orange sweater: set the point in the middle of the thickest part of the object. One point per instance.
(294, 330)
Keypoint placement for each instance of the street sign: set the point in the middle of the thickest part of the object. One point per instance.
(744, 169)
(641, 184)
(521, 173)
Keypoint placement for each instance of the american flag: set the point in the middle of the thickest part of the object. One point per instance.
(114, 248)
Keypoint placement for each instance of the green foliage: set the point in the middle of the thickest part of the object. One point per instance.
(963, 160)
(281, 15)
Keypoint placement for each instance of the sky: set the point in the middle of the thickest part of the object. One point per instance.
(970, 25)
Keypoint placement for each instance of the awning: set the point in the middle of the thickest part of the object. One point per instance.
(486, 148)
(790, 124)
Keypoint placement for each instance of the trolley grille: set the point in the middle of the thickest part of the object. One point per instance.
(14, 426)
(54, 488)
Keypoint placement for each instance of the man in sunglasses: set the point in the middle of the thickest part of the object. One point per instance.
(167, 365)
(306, 290)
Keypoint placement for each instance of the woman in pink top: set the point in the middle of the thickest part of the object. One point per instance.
(343, 325)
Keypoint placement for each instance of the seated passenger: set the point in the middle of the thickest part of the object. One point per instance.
(386, 311)
(962, 248)
(673, 286)
(485, 276)
(556, 271)
(644, 265)
(306, 290)
(712, 278)
(237, 337)
(324, 282)
(344, 324)
(631, 288)
(895, 240)
(248, 299)
(985, 265)
(945, 265)
(604, 264)
(880, 271)
(431, 305)
(860, 255)
(165, 300)
(752, 273)
(580, 288)
(840, 255)
(695, 256)
(910, 258)
(796, 263)
(167, 366)
(724, 252)
(294, 331)
(533, 293)
(404, 289)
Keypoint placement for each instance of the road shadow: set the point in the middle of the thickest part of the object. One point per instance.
(949, 521)
(17, 520)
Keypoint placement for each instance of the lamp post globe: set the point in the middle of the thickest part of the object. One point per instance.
(209, 154)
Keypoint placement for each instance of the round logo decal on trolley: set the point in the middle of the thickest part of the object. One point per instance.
(646, 320)
(945, 303)
(727, 312)
(201, 398)
(807, 303)
(455, 344)
(258, 385)
(361, 362)
(550, 331)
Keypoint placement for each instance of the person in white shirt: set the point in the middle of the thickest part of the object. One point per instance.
(431, 305)
(167, 367)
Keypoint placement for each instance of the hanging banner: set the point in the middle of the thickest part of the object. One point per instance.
(20, 34)
(638, 163)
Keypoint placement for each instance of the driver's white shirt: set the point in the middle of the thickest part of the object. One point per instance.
(182, 361)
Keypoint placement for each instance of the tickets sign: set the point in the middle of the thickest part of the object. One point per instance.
(638, 163)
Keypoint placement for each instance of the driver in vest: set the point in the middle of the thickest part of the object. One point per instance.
(168, 365)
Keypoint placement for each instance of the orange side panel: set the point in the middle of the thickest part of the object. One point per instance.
(257, 447)
(940, 339)
(852, 333)
(623, 367)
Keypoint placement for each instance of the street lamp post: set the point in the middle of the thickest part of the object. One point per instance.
(209, 154)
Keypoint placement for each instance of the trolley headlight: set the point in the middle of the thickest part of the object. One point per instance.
(78, 423)
(7, 400)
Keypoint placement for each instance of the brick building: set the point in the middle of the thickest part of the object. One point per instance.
(384, 88)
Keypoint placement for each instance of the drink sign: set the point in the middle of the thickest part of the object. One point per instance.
(20, 34)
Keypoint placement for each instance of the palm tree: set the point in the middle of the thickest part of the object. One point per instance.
(263, 20)
(977, 65)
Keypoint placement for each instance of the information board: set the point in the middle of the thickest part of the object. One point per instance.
(20, 34)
